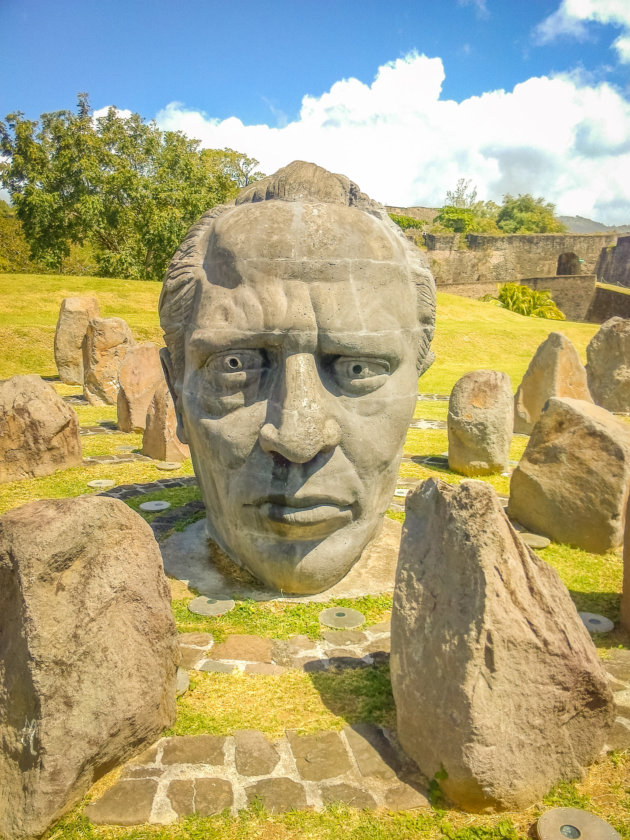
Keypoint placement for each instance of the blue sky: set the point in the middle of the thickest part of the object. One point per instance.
(517, 95)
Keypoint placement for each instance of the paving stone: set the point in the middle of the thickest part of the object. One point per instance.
(341, 618)
(381, 627)
(254, 755)
(212, 667)
(348, 794)
(265, 669)
(243, 648)
(343, 658)
(191, 657)
(619, 736)
(198, 640)
(277, 795)
(194, 749)
(618, 664)
(373, 753)
(319, 756)
(286, 651)
(200, 796)
(128, 802)
(341, 638)
(404, 797)
(182, 683)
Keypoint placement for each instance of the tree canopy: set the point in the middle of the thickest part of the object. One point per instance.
(116, 183)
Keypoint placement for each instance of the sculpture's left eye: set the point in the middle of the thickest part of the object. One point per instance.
(360, 376)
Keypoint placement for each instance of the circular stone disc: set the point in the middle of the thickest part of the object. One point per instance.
(210, 606)
(341, 617)
(151, 507)
(573, 824)
(101, 483)
(534, 540)
(596, 623)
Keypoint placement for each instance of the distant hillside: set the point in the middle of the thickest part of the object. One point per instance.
(578, 224)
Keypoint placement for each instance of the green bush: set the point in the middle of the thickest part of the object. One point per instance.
(536, 303)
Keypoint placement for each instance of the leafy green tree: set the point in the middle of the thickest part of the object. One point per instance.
(527, 214)
(118, 184)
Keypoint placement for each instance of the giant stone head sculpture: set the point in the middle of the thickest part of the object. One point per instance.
(296, 324)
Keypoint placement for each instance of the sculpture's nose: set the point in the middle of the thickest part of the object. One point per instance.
(303, 428)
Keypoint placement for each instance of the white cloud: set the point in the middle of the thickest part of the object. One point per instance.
(571, 16)
(562, 137)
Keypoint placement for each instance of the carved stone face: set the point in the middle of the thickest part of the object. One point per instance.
(299, 383)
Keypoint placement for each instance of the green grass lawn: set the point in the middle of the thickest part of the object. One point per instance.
(470, 335)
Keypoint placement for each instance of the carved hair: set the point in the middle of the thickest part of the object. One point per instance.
(299, 181)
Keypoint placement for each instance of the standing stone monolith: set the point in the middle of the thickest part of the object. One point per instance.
(554, 371)
(498, 686)
(572, 482)
(139, 375)
(105, 346)
(160, 439)
(88, 652)
(480, 422)
(608, 365)
(39, 432)
(74, 315)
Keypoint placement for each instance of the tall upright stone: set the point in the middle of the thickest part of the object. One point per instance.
(497, 684)
(88, 652)
(572, 482)
(74, 315)
(139, 375)
(39, 432)
(608, 365)
(105, 346)
(160, 439)
(554, 371)
(480, 421)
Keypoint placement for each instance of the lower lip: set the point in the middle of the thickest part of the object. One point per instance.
(314, 520)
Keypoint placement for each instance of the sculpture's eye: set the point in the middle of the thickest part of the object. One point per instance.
(360, 376)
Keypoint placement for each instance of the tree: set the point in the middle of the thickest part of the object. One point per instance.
(527, 214)
(117, 183)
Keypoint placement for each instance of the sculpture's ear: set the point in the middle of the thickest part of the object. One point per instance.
(169, 375)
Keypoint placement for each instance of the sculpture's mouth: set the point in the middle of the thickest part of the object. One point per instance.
(304, 518)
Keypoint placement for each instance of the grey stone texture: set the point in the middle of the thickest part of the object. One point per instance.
(88, 652)
(74, 315)
(104, 347)
(495, 678)
(554, 371)
(571, 484)
(160, 440)
(139, 375)
(39, 432)
(296, 481)
(480, 422)
(608, 365)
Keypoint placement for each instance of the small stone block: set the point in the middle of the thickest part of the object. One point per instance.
(571, 823)
(243, 648)
(211, 667)
(182, 683)
(348, 794)
(128, 802)
(403, 797)
(341, 638)
(534, 540)
(265, 669)
(254, 755)
(374, 754)
(341, 618)
(210, 606)
(152, 507)
(319, 756)
(194, 749)
(277, 795)
(596, 623)
(101, 483)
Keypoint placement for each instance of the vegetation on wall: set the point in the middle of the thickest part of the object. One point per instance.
(116, 184)
(536, 303)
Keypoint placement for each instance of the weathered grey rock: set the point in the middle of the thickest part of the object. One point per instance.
(296, 492)
(104, 347)
(554, 371)
(139, 375)
(480, 422)
(88, 652)
(39, 432)
(74, 316)
(571, 484)
(160, 439)
(608, 365)
(495, 677)
(254, 755)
